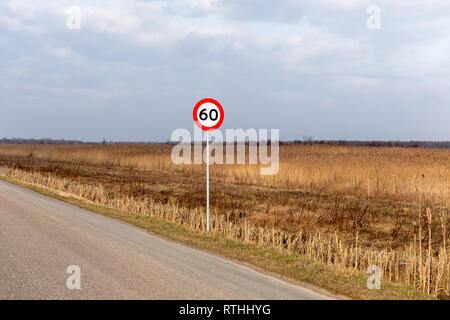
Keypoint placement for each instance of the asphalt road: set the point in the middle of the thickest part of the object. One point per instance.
(41, 237)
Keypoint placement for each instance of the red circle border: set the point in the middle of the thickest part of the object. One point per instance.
(218, 105)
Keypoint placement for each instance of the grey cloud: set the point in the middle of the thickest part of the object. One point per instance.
(306, 68)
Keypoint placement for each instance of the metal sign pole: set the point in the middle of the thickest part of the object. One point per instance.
(207, 181)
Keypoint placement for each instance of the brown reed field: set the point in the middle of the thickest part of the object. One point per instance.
(343, 206)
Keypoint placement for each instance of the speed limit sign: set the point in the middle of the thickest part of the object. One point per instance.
(208, 114)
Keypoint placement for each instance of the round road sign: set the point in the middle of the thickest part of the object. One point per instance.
(208, 114)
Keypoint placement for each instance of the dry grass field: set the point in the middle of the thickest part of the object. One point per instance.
(345, 206)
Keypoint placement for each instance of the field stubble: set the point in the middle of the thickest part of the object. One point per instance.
(350, 207)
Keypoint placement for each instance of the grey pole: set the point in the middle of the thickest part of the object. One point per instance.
(207, 181)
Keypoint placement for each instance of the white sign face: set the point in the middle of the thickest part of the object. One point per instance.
(208, 114)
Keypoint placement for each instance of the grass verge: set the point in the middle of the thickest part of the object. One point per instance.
(292, 267)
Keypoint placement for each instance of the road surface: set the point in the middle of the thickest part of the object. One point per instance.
(41, 237)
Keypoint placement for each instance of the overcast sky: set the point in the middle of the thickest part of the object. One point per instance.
(135, 69)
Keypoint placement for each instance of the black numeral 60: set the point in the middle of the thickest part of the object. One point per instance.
(213, 115)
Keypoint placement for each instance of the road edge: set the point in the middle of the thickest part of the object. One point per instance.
(259, 259)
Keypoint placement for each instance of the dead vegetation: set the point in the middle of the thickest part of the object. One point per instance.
(349, 207)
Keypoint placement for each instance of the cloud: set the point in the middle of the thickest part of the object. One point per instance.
(428, 59)
(141, 65)
(110, 20)
(191, 5)
(62, 52)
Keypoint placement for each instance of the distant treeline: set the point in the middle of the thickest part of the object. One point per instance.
(406, 144)
(43, 141)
